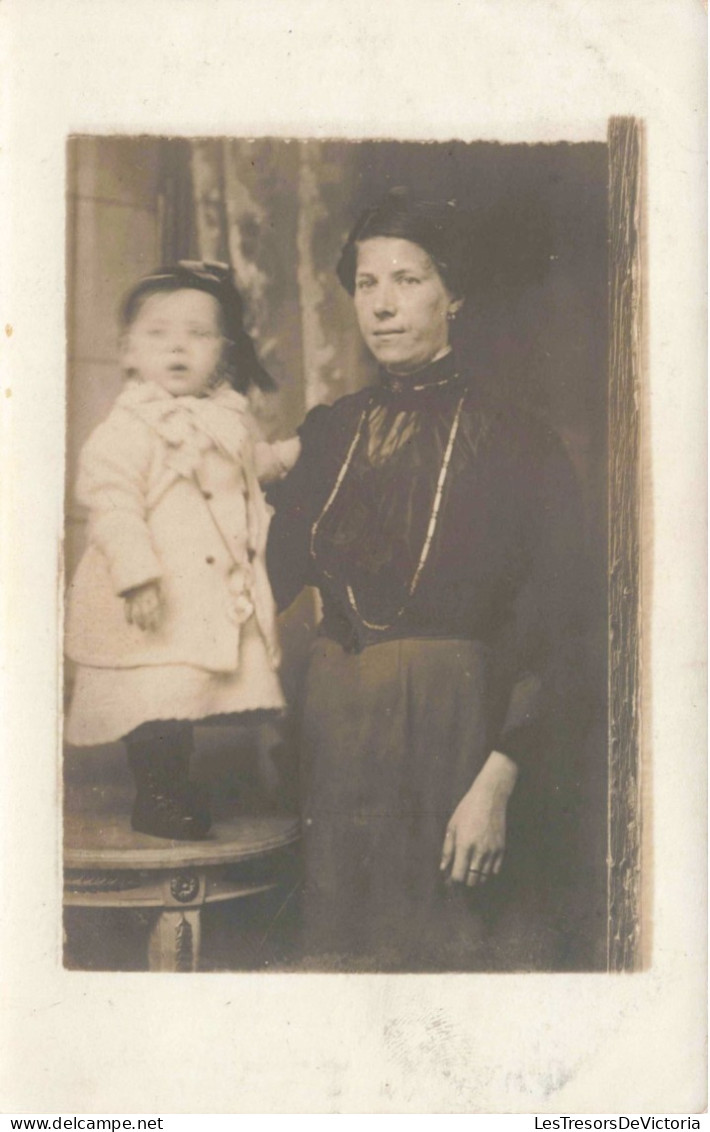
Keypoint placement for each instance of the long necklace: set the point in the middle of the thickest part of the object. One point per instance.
(433, 518)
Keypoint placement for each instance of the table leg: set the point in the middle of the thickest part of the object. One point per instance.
(174, 943)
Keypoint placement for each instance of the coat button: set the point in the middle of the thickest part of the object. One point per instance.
(210, 560)
(206, 494)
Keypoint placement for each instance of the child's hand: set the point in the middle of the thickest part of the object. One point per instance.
(143, 606)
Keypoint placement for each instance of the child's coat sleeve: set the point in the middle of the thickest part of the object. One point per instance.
(113, 484)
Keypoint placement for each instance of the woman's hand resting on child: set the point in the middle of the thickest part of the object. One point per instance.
(143, 606)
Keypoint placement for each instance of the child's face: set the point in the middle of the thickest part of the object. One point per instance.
(176, 341)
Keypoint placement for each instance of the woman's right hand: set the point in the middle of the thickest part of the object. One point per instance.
(474, 844)
(143, 606)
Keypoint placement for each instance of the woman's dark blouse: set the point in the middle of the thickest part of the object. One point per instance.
(504, 561)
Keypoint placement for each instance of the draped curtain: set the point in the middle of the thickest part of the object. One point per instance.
(277, 212)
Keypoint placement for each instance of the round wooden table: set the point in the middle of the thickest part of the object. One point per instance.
(108, 865)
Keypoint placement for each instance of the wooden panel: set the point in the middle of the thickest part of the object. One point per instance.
(115, 245)
(624, 846)
(120, 169)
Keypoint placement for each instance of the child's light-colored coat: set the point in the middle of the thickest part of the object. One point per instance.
(173, 497)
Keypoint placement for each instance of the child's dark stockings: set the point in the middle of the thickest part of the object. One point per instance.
(167, 803)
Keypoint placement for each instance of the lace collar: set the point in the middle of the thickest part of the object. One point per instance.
(437, 375)
(189, 426)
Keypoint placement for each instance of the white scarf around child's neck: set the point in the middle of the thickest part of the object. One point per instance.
(190, 425)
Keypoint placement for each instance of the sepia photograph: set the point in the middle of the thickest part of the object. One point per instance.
(347, 431)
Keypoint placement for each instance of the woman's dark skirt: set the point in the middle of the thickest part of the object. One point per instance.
(393, 737)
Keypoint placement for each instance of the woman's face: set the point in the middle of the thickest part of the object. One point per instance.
(402, 304)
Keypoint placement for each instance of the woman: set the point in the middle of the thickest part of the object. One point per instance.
(439, 527)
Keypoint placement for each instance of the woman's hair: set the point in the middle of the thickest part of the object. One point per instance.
(242, 368)
(441, 229)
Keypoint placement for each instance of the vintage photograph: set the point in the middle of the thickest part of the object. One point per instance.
(352, 555)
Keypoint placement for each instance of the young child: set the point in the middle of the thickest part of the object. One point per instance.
(170, 614)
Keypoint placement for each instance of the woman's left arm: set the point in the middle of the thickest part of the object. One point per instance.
(545, 616)
(274, 460)
(295, 500)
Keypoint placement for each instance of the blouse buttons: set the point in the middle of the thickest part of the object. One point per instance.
(209, 560)
(206, 494)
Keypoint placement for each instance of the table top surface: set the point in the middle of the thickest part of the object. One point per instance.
(106, 840)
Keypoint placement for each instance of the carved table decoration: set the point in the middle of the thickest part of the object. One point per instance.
(108, 865)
